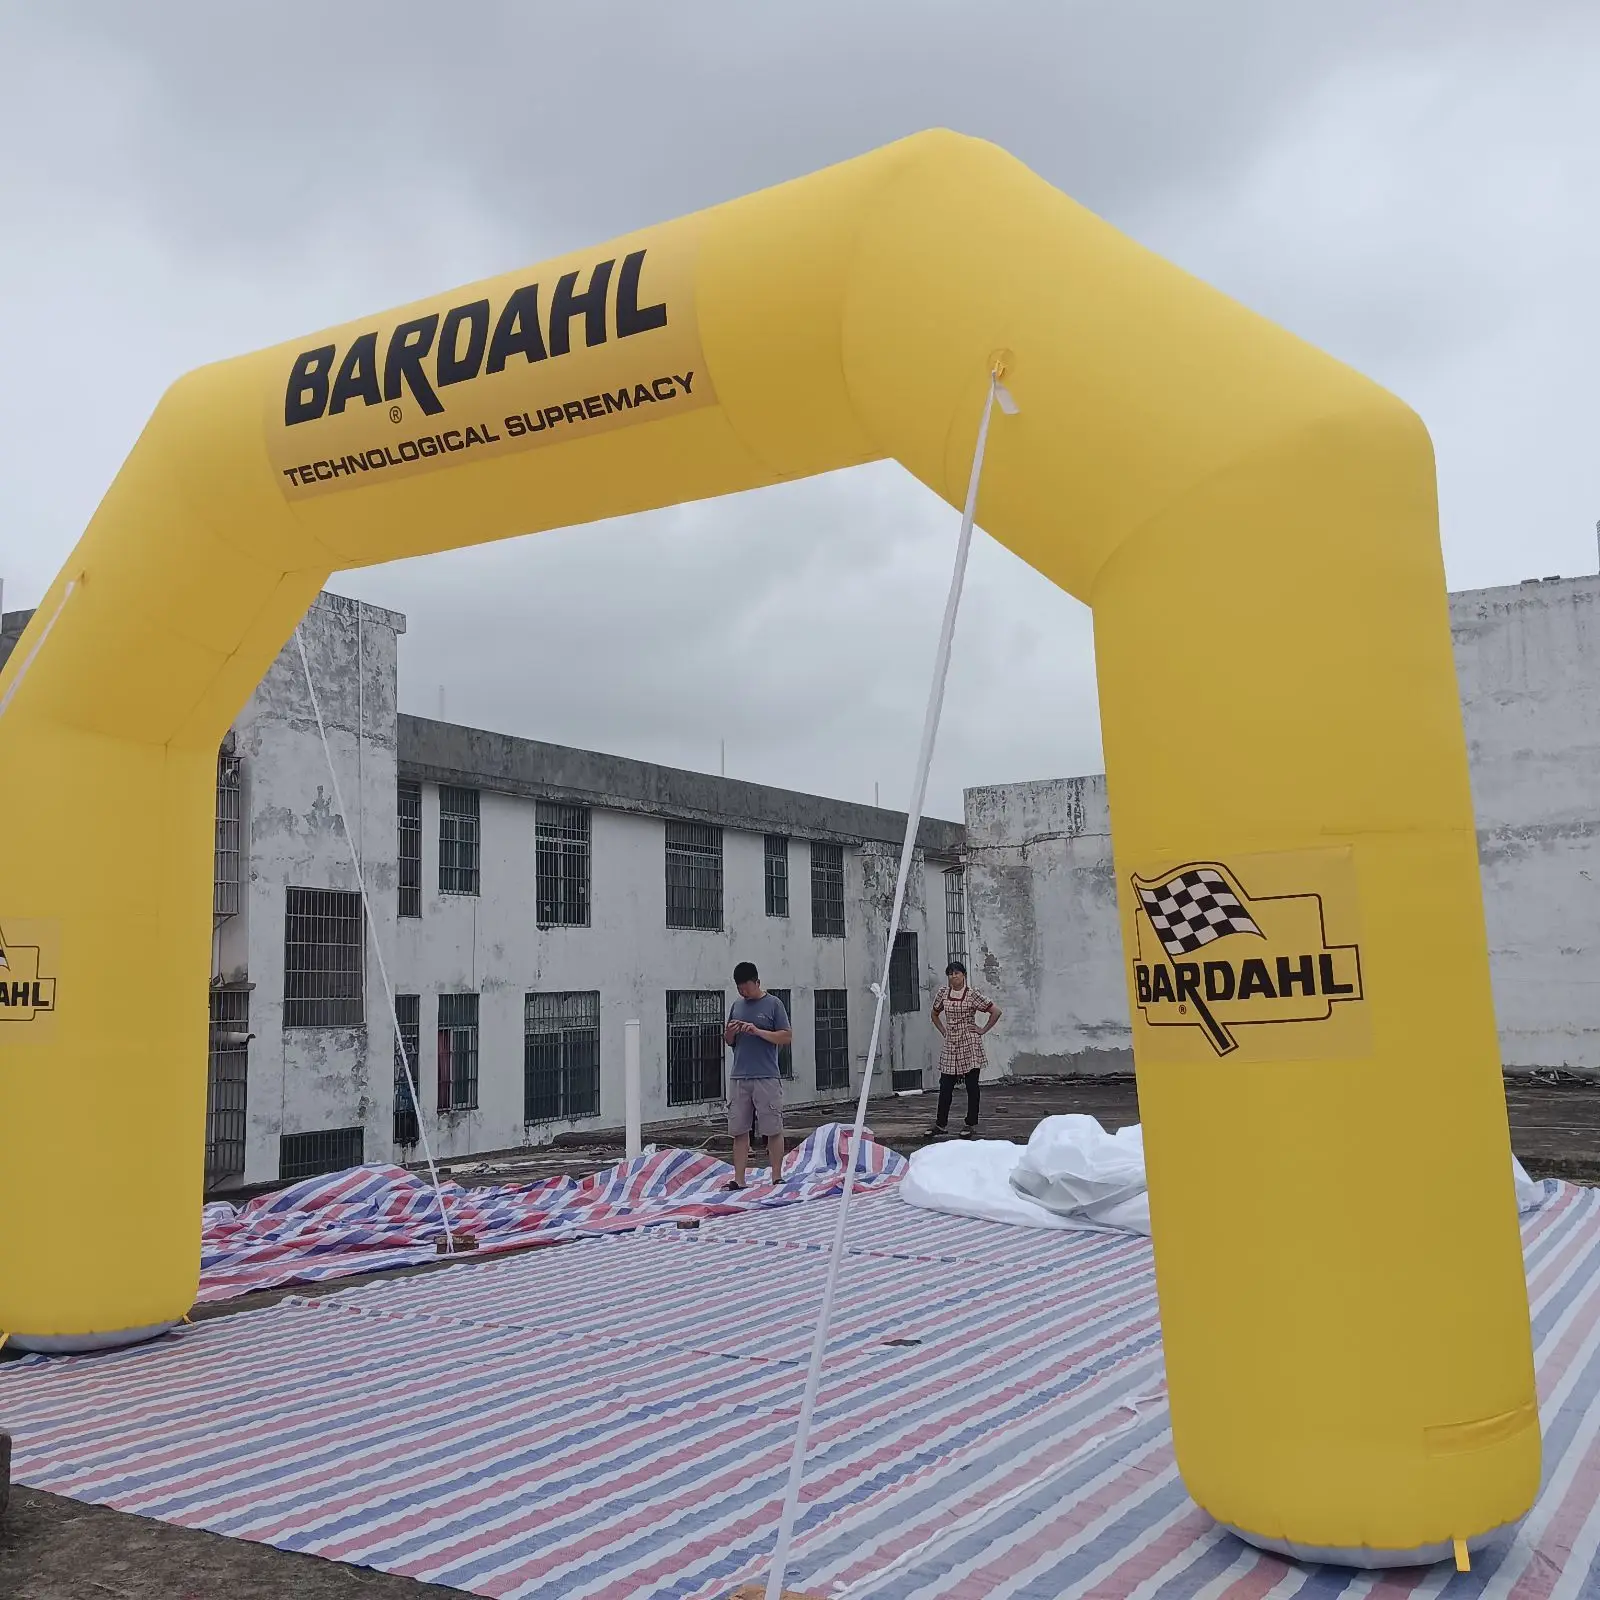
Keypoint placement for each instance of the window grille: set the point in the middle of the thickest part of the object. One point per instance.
(458, 841)
(694, 1046)
(694, 875)
(827, 891)
(226, 1085)
(777, 875)
(785, 1051)
(458, 1052)
(833, 1038)
(904, 989)
(561, 1056)
(230, 828)
(561, 848)
(955, 915)
(306, 1155)
(323, 960)
(407, 1052)
(408, 810)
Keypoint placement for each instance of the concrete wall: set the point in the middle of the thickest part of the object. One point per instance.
(1043, 895)
(305, 1079)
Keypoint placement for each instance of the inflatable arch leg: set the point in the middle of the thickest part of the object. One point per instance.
(1255, 528)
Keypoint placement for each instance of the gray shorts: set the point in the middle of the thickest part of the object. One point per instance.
(755, 1103)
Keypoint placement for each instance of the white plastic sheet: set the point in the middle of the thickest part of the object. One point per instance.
(1070, 1174)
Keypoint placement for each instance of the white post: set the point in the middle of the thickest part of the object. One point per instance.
(632, 1119)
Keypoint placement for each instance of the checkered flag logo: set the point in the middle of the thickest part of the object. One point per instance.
(1193, 908)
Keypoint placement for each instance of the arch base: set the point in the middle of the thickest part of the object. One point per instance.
(77, 1344)
(1365, 1556)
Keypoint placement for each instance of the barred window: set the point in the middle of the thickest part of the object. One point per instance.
(777, 875)
(904, 989)
(407, 1051)
(561, 1056)
(694, 1046)
(408, 811)
(827, 891)
(785, 1051)
(458, 841)
(955, 915)
(561, 848)
(307, 1155)
(323, 948)
(458, 1052)
(227, 1084)
(230, 827)
(694, 875)
(833, 1038)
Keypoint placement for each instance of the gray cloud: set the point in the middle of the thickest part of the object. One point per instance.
(1410, 186)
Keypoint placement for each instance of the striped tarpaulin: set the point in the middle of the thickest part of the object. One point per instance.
(613, 1420)
(376, 1218)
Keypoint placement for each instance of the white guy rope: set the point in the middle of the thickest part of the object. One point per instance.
(377, 948)
(33, 654)
(997, 393)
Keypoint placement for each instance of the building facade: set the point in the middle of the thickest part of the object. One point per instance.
(1042, 889)
(527, 900)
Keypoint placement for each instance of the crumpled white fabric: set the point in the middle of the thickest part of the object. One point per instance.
(1070, 1174)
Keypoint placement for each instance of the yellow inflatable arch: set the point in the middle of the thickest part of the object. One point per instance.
(1338, 1260)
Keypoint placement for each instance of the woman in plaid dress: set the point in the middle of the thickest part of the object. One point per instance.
(955, 1015)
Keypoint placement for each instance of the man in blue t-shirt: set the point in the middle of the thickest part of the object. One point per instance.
(758, 1027)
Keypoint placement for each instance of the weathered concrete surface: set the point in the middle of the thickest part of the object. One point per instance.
(1528, 659)
(1046, 948)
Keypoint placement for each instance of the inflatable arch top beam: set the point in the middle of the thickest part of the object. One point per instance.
(1255, 528)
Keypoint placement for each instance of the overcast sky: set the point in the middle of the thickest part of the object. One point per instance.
(1412, 184)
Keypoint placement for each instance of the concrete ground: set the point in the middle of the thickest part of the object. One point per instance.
(57, 1549)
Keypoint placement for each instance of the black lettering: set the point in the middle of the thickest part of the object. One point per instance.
(488, 437)
(428, 444)
(686, 379)
(642, 394)
(324, 471)
(566, 303)
(591, 406)
(1329, 985)
(452, 434)
(411, 445)
(358, 375)
(292, 474)
(517, 330)
(1219, 980)
(358, 462)
(1253, 979)
(39, 1001)
(408, 345)
(1188, 976)
(341, 466)
(551, 415)
(633, 318)
(19, 993)
(306, 473)
(656, 385)
(306, 398)
(1141, 982)
(474, 437)
(456, 365)
(1161, 983)
(374, 459)
(5, 994)
(1289, 974)
(516, 427)
(573, 410)
(620, 401)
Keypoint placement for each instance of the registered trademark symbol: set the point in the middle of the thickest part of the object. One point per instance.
(394, 413)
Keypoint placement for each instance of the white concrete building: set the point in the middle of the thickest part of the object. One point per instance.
(1042, 890)
(528, 900)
